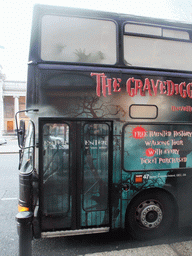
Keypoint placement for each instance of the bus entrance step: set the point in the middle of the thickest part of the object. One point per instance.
(74, 232)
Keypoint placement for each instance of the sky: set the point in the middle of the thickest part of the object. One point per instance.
(16, 18)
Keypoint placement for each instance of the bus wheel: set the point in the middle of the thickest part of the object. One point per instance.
(150, 215)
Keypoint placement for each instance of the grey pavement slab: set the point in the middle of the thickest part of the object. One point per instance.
(183, 248)
(163, 250)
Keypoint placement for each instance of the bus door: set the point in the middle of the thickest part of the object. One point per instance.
(75, 173)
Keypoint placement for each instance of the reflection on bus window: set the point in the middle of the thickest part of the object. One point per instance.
(96, 151)
(27, 154)
(56, 168)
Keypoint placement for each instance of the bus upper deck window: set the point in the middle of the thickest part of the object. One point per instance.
(73, 39)
(177, 34)
(143, 29)
(157, 47)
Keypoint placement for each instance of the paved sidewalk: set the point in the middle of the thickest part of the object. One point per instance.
(11, 147)
(169, 249)
(156, 250)
(175, 249)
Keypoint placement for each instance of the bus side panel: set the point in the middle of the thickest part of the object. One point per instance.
(159, 155)
(180, 181)
(83, 94)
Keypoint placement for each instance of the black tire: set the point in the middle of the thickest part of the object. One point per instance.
(150, 215)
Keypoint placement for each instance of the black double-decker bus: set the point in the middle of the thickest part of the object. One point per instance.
(109, 143)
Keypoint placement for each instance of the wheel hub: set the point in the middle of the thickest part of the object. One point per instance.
(149, 214)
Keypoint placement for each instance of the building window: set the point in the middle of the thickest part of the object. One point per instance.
(22, 106)
(8, 107)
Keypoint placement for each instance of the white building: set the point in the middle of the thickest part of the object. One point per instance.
(12, 100)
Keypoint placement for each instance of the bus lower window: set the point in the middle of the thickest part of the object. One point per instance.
(141, 111)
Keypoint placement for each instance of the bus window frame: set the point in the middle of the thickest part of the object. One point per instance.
(162, 27)
(149, 36)
(117, 55)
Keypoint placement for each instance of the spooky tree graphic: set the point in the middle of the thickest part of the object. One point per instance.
(91, 107)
